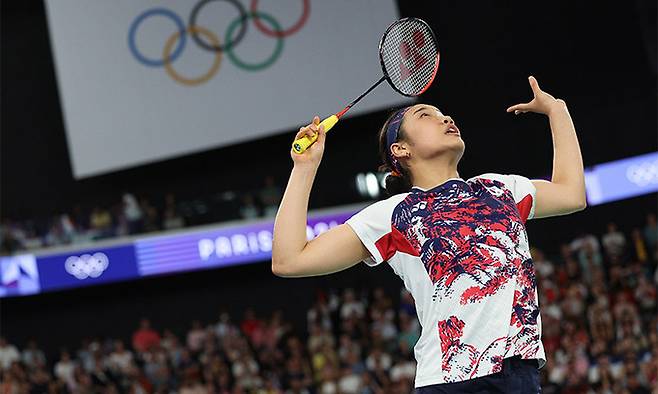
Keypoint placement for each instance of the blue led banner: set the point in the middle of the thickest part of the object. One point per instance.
(219, 247)
(621, 179)
(131, 258)
(87, 267)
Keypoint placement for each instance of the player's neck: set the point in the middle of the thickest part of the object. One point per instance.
(429, 174)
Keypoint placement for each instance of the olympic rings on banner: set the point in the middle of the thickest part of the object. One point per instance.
(235, 32)
(306, 10)
(267, 62)
(228, 44)
(205, 77)
(133, 29)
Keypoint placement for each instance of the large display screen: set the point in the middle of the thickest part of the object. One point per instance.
(145, 80)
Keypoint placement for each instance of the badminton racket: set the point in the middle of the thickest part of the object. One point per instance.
(409, 57)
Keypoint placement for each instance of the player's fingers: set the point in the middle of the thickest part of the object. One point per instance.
(316, 120)
(314, 127)
(519, 107)
(322, 136)
(305, 130)
(534, 85)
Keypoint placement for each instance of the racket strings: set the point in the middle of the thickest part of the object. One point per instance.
(409, 56)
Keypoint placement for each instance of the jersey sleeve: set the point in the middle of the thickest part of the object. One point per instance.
(523, 190)
(372, 224)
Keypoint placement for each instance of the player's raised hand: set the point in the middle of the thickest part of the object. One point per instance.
(313, 154)
(541, 103)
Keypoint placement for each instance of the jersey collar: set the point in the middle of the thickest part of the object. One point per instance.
(440, 186)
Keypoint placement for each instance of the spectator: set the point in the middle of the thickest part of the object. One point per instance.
(33, 356)
(614, 242)
(248, 209)
(79, 218)
(196, 336)
(56, 234)
(578, 245)
(172, 216)
(378, 358)
(151, 217)
(351, 306)
(101, 222)
(250, 323)
(645, 293)
(65, 370)
(319, 314)
(192, 386)
(383, 326)
(225, 327)
(132, 213)
(409, 332)
(8, 354)
(404, 367)
(121, 360)
(640, 251)
(145, 337)
(350, 381)
(8, 242)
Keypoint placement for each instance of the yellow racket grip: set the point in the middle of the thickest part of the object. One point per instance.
(299, 146)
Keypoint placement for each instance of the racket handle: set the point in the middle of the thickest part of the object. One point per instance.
(299, 146)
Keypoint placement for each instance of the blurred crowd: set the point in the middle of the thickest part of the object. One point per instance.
(135, 215)
(598, 305)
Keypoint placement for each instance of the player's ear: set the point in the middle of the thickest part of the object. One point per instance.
(399, 149)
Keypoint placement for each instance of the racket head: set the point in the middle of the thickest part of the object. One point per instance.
(409, 56)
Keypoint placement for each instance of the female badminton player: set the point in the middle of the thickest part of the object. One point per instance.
(460, 246)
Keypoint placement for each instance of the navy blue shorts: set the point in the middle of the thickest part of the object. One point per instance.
(517, 377)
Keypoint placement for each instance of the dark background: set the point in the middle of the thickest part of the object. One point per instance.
(600, 57)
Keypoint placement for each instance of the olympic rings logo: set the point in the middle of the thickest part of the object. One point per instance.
(643, 174)
(87, 266)
(207, 40)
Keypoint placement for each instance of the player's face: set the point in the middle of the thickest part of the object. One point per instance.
(432, 133)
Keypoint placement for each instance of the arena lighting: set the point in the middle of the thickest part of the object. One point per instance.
(361, 184)
(382, 179)
(370, 184)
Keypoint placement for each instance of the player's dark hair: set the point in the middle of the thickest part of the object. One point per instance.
(394, 184)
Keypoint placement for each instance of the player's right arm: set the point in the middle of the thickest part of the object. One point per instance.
(332, 251)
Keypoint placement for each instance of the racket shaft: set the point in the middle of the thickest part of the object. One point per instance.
(356, 100)
(299, 146)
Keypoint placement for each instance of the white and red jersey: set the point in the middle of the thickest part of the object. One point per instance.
(462, 250)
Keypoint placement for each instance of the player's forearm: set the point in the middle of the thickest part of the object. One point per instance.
(290, 223)
(567, 159)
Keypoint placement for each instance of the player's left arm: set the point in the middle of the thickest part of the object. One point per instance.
(565, 193)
